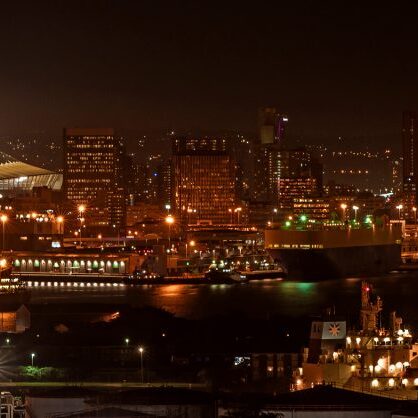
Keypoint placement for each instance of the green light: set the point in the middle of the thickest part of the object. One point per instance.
(303, 218)
(287, 223)
(368, 220)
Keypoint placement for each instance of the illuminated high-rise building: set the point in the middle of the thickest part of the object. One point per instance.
(267, 147)
(203, 181)
(93, 175)
(271, 125)
(410, 162)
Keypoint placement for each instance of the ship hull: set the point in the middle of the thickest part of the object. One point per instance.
(339, 262)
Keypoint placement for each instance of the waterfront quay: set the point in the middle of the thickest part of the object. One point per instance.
(76, 262)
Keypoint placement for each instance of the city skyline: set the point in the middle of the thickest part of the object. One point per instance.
(335, 72)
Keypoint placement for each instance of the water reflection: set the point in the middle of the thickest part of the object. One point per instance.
(256, 299)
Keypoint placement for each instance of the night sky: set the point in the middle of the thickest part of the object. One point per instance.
(336, 68)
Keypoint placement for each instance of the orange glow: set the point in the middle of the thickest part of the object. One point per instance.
(169, 219)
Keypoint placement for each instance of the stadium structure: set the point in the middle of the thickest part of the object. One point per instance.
(18, 177)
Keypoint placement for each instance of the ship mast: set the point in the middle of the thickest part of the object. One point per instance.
(369, 313)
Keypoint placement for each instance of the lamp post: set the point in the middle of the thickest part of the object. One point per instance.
(355, 208)
(414, 209)
(399, 207)
(274, 213)
(343, 206)
(191, 243)
(141, 352)
(127, 341)
(81, 209)
(32, 356)
(231, 212)
(60, 222)
(169, 221)
(189, 211)
(3, 219)
(238, 210)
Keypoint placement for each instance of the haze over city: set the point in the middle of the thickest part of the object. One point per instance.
(154, 66)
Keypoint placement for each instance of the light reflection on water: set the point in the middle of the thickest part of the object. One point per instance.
(256, 299)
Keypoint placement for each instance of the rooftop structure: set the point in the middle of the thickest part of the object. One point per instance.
(17, 177)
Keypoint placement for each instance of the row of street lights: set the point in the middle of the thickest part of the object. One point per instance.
(237, 211)
(141, 353)
(414, 209)
(344, 206)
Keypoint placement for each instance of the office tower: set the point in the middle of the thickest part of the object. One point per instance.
(93, 176)
(410, 162)
(286, 166)
(271, 126)
(314, 208)
(164, 184)
(295, 188)
(271, 130)
(203, 181)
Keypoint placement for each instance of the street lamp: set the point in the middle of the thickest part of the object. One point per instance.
(60, 222)
(3, 219)
(231, 213)
(189, 211)
(355, 208)
(32, 356)
(141, 352)
(399, 207)
(414, 209)
(192, 244)
(343, 206)
(169, 221)
(238, 210)
(275, 212)
(81, 210)
(127, 341)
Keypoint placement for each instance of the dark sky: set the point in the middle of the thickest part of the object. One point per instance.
(336, 68)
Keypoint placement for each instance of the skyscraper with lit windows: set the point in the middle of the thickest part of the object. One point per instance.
(410, 162)
(93, 175)
(203, 181)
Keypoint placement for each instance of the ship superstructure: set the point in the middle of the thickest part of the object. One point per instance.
(372, 358)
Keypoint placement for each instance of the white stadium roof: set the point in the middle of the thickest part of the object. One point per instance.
(15, 174)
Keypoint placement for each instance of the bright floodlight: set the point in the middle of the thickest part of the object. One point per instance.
(169, 219)
(81, 208)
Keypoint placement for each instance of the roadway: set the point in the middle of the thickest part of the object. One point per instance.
(103, 385)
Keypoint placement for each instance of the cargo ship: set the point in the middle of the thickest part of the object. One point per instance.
(326, 251)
